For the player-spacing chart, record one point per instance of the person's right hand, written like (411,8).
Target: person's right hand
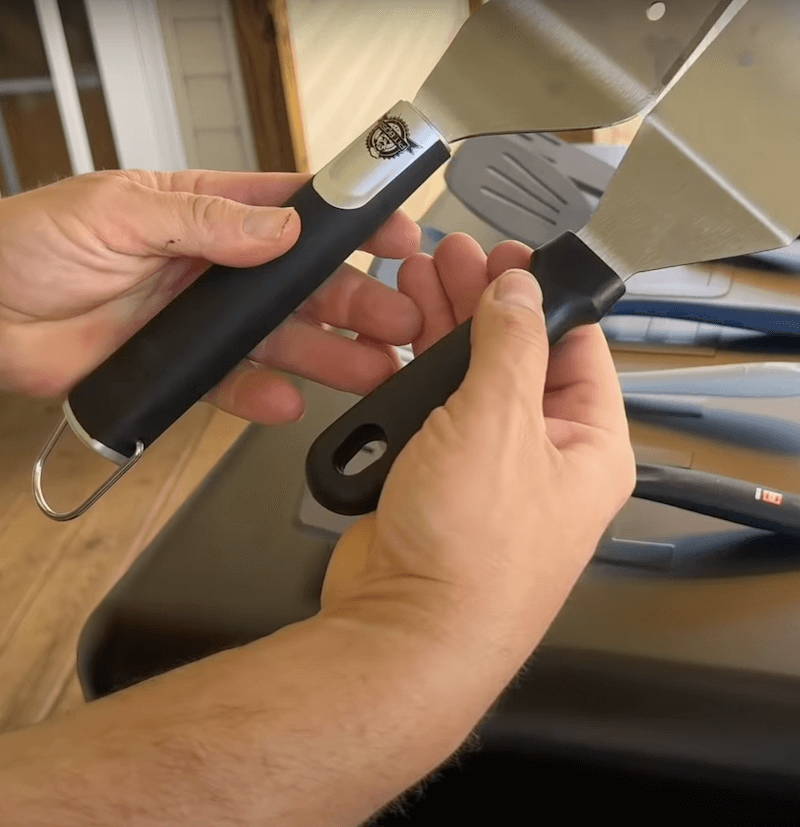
(429,609)
(494,508)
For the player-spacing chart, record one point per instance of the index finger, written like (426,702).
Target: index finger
(582,383)
(259,189)
(399,236)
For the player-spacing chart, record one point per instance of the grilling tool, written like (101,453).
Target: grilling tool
(591,169)
(701,294)
(531,187)
(753,404)
(501,187)
(515,66)
(515,190)
(737,501)
(686,191)
(587,172)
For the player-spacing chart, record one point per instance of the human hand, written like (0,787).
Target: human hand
(494,508)
(429,607)
(85,262)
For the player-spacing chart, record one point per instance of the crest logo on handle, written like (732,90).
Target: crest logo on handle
(389,138)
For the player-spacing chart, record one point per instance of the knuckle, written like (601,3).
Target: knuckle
(203,209)
(106,204)
(446,425)
(113,192)
(204,182)
(114,181)
(524,326)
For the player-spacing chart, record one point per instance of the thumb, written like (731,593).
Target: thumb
(219,229)
(509,343)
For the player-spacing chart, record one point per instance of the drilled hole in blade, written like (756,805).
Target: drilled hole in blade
(656,11)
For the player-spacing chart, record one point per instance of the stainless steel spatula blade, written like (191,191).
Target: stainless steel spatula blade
(550,66)
(714,170)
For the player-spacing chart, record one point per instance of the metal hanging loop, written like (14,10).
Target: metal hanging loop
(38,469)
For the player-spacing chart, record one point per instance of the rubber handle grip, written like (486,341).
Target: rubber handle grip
(723,497)
(194,342)
(578,287)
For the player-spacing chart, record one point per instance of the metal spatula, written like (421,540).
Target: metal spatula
(712,172)
(515,66)
(515,190)
(587,172)
(755,404)
(529,186)
(737,501)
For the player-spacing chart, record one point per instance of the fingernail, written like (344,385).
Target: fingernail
(267,222)
(521,288)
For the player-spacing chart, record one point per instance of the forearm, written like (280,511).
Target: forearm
(322,723)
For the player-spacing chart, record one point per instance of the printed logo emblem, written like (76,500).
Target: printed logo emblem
(390,137)
(771,497)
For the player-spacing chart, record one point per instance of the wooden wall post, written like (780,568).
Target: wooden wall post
(270,81)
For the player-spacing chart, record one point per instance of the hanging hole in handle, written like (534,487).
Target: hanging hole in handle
(362,448)
(656,11)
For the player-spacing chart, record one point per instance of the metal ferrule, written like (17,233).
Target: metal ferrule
(371,162)
(89,441)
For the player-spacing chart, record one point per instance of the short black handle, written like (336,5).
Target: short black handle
(578,287)
(191,345)
(729,499)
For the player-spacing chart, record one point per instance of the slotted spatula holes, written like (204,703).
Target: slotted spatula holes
(524,170)
(525,190)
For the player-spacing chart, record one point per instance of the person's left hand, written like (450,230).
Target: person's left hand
(85,262)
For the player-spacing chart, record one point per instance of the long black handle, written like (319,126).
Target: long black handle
(728,499)
(191,345)
(578,288)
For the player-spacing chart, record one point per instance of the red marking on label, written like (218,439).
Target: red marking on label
(772,497)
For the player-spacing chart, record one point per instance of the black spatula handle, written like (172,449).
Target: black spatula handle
(194,342)
(729,499)
(579,288)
